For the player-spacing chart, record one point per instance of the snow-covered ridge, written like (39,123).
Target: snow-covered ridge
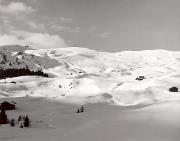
(84,75)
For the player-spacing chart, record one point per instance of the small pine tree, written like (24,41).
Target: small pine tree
(12,122)
(82,109)
(23,118)
(19,118)
(78,111)
(26,122)
(21,125)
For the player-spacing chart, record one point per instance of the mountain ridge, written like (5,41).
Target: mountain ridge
(83,75)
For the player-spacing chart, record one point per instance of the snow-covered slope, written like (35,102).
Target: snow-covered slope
(81,75)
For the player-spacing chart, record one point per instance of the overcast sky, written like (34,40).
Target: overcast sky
(106,25)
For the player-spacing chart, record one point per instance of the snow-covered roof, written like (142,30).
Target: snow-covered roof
(10,102)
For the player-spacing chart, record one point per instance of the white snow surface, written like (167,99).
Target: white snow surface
(80,75)
(52,120)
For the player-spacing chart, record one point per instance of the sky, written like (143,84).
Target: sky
(104,25)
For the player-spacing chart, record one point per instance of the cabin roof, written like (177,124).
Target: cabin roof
(9,102)
(173,88)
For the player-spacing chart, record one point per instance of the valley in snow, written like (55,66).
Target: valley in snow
(118,106)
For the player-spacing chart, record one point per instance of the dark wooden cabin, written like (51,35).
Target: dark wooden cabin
(140,78)
(3,117)
(7,105)
(173,89)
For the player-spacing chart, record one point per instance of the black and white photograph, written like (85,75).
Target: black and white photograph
(89,70)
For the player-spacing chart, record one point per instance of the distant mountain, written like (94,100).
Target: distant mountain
(15,47)
(80,74)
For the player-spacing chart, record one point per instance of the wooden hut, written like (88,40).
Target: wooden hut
(7,105)
(140,78)
(173,89)
(3,117)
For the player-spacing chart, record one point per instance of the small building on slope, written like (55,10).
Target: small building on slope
(4,105)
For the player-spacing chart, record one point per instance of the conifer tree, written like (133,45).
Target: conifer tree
(12,122)
(82,109)
(21,125)
(26,121)
(19,118)
(78,111)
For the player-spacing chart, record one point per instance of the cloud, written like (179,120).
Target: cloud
(37,26)
(57,27)
(65,20)
(9,40)
(104,35)
(59,20)
(92,29)
(15,8)
(62,28)
(96,32)
(18,27)
(35,40)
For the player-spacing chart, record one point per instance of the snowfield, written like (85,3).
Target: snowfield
(80,75)
(118,106)
(56,121)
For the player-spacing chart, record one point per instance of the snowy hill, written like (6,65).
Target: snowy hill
(80,75)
